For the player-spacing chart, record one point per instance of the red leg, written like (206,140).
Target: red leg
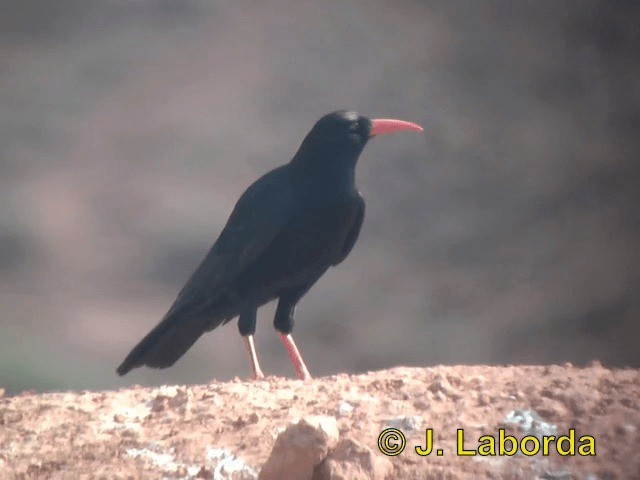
(253,357)
(294,355)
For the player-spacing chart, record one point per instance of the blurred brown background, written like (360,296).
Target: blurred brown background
(507,233)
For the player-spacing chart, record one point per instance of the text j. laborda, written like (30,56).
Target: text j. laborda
(393,441)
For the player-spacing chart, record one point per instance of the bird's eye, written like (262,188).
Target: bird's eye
(354,127)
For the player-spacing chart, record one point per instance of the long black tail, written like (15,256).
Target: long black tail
(170,339)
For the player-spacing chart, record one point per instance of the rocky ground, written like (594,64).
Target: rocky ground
(330,427)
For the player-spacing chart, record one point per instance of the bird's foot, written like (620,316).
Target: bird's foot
(296,358)
(253,357)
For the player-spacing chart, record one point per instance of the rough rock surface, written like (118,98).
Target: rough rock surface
(350,460)
(229,430)
(300,448)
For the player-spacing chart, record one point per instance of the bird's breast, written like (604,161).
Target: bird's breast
(313,236)
(302,251)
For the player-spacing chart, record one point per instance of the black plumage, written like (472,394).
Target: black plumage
(286,230)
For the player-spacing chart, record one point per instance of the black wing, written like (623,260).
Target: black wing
(354,232)
(262,211)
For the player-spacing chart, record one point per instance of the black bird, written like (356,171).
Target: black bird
(284,233)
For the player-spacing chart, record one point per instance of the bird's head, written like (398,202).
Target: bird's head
(342,135)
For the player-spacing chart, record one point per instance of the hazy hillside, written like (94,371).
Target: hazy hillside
(508,232)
